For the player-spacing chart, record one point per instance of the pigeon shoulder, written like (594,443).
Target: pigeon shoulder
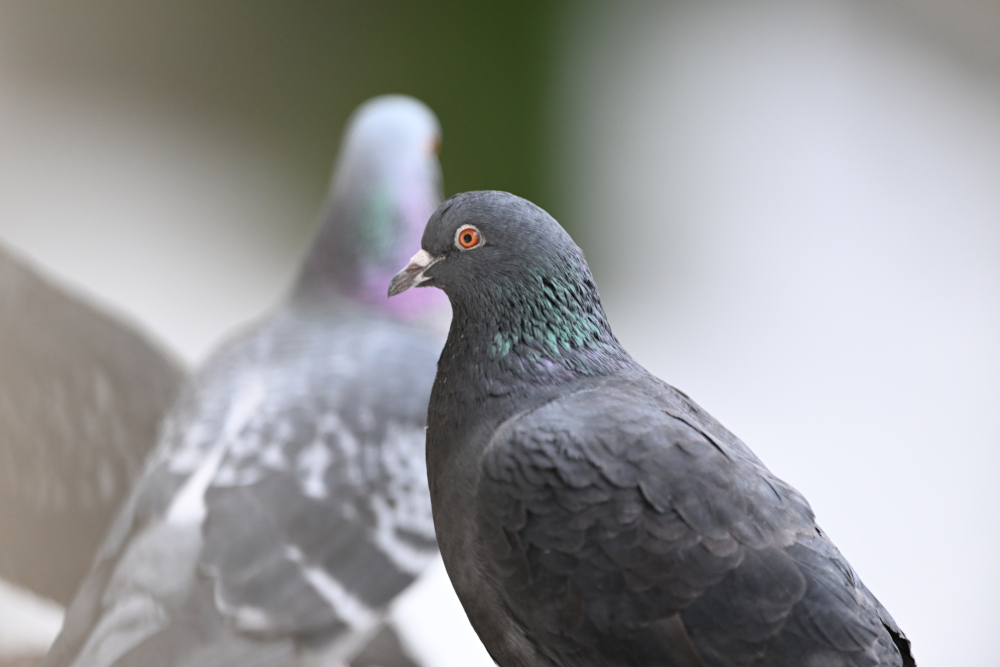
(286,499)
(316,515)
(620,512)
(319,513)
(638,433)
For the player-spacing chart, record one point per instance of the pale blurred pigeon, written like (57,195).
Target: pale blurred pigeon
(287,505)
(589,513)
(81,396)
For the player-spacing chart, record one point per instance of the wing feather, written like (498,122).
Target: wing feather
(81,395)
(609,515)
(292,472)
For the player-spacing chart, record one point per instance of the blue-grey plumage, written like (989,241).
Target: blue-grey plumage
(588,513)
(286,504)
(81,395)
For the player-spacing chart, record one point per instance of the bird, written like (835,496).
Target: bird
(81,395)
(286,503)
(587,512)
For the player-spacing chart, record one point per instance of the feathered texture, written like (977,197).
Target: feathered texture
(590,514)
(286,504)
(385,184)
(81,395)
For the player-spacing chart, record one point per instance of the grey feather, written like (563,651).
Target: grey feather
(81,395)
(590,514)
(286,504)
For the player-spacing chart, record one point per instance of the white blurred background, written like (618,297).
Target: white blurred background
(793,213)
(792,209)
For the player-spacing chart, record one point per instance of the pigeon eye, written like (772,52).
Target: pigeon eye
(468,237)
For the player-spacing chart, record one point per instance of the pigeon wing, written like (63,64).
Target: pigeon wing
(624,527)
(286,506)
(81,395)
(319,515)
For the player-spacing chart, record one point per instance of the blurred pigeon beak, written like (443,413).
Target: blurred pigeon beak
(413,274)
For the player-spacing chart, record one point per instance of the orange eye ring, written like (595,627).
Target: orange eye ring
(468,237)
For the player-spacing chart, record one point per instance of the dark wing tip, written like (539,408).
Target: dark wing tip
(903,645)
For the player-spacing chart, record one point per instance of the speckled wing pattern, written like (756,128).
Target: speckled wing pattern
(627,527)
(286,506)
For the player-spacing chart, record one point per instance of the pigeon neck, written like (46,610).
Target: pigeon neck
(363,242)
(330,267)
(335,265)
(543,334)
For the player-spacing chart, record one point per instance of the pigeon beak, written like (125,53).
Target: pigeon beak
(413,274)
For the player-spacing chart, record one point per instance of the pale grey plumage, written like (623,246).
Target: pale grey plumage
(286,504)
(81,395)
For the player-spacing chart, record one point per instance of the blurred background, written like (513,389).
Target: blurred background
(792,208)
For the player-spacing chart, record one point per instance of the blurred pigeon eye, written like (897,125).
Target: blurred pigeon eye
(468,237)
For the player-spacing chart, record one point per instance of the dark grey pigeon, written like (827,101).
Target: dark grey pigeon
(286,504)
(81,396)
(587,512)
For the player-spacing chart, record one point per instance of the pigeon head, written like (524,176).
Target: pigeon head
(386,182)
(518,284)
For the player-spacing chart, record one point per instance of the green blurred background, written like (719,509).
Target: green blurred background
(283,77)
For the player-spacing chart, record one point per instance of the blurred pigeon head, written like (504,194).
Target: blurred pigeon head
(386,184)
